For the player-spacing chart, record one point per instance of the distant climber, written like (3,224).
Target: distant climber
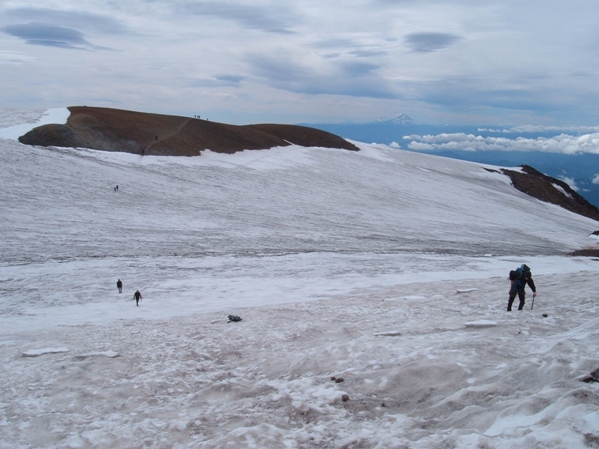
(119,285)
(137,297)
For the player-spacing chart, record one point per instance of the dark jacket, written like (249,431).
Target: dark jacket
(523,277)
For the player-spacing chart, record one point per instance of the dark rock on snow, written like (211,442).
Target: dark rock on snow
(551,190)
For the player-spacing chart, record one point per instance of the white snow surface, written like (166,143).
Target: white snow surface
(380,275)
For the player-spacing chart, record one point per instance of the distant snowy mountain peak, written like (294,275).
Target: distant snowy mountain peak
(403,119)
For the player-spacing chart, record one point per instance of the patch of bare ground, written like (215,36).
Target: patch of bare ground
(142,133)
(589,252)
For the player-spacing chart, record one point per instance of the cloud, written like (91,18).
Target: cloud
(596,179)
(330,55)
(351,78)
(507,96)
(571,183)
(429,42)
(344,46)
(367,53)
(564,143)
(272,19)
(468,92)
(85,20)
(335,42)
(218,81)
(9,57)
(532,129)
(36,33)
(232,79)
(47,35)
(507,71)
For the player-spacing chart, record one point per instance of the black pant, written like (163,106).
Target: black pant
(521,294)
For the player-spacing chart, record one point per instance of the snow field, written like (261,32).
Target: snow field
(266,381)
(383,268)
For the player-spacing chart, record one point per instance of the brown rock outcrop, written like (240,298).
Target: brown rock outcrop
(142,133)
(551,190)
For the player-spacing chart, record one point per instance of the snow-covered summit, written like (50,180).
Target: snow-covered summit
(401,119)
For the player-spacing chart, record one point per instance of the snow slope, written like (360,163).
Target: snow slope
(384,268)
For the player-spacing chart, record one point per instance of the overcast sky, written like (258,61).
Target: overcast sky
(440,61)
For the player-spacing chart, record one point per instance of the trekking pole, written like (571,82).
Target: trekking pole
(533,303)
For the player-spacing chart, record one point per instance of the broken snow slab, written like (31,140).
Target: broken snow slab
(481,323)
(38,352)
(387,334)
(110,354)
(408,297)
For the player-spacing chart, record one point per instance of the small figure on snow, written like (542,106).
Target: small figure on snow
(119,285)
(519,278)
(137,297)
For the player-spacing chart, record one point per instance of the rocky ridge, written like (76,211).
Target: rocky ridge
(146,134)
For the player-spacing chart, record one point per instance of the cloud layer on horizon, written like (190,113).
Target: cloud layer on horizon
(443,61)
(563,143)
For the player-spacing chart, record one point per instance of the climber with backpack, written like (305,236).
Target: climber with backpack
(519,278)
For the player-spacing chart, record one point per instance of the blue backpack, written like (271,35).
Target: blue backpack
(520,273)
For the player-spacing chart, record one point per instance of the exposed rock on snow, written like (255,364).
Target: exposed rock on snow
(164,135)
(536,184)
(594,377)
